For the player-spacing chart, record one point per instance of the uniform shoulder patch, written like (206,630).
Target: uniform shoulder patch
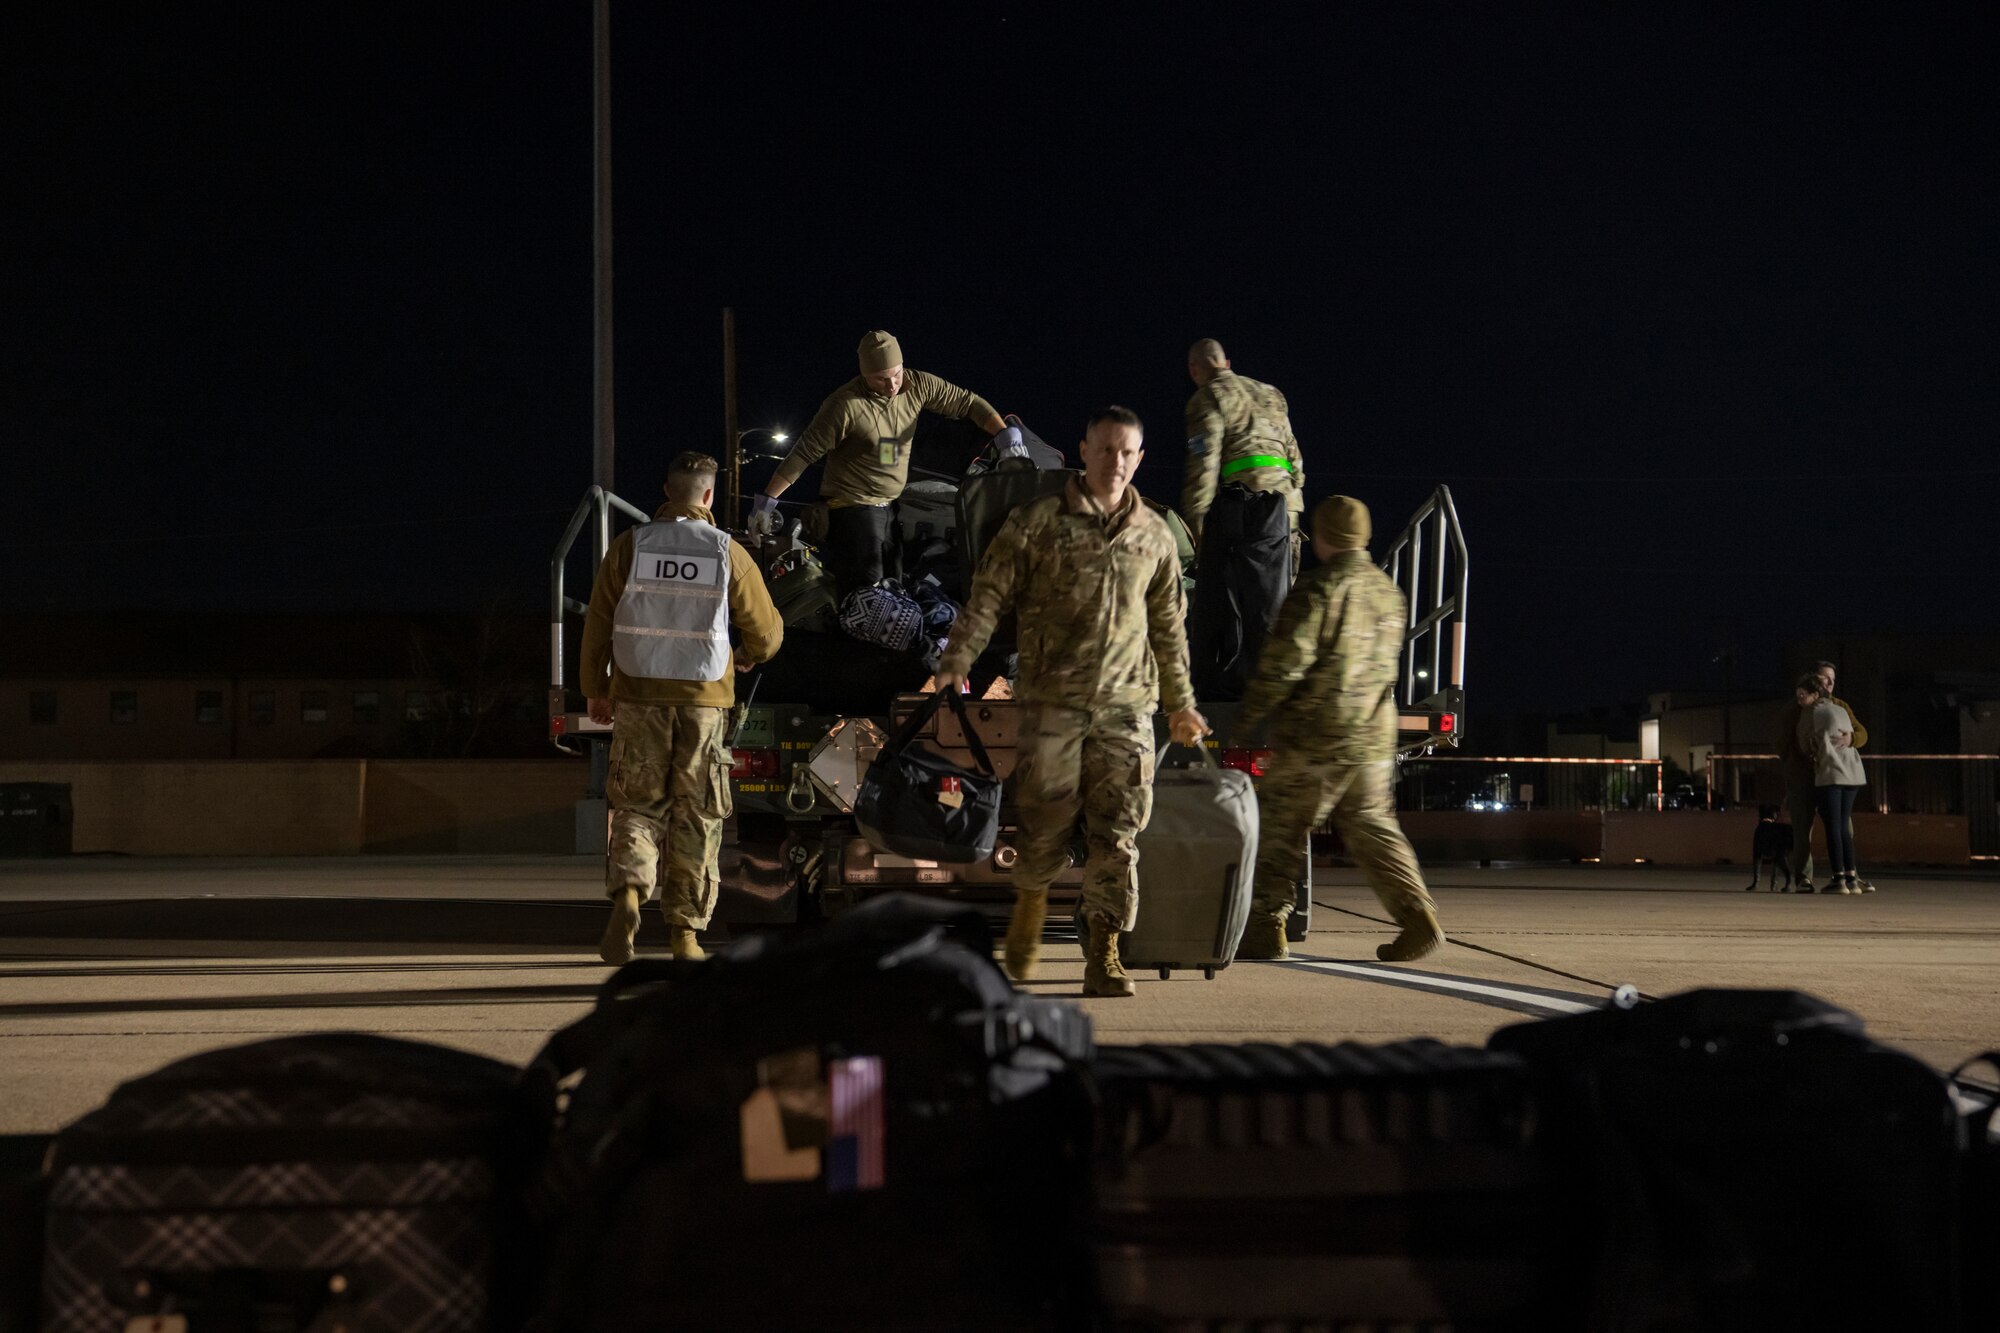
(1197,443)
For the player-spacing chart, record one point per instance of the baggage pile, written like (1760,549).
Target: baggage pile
(868,1127)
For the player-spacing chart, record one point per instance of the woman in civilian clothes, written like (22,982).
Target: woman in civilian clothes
(1827,736)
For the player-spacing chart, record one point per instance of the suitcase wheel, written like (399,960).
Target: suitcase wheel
(1166,973)
(1208,974)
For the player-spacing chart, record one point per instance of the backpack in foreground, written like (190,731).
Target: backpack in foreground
(337,1180)
(1311,1186)
(1749,1160)
(863,1128)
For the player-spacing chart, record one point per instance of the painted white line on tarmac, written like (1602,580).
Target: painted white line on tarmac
(1482,990)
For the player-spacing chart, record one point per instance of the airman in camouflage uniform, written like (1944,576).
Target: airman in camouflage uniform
(668,786)
(1094,579)
(1242,496)
(1327,680)
(1239,430)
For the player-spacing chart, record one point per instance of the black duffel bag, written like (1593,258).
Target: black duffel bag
(950,1198)
(915,802)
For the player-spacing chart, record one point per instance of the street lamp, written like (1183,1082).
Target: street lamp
(777,436)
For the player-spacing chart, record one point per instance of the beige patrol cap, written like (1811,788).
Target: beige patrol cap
(878,351)
(1342,522)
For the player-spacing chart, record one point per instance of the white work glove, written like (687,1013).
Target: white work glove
(763,517)
(1011,443)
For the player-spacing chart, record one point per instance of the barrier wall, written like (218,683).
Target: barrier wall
(333,807)
(318,807)
(1706,838)
(522,805)
(1503,835)
(210,808)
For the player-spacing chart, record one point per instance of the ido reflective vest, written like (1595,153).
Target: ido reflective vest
(672,623)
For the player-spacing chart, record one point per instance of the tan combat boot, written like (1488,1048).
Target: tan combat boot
(1103,974)
(1421,935)
(616,946)
(1264,938)
(681,940)
(1024,933)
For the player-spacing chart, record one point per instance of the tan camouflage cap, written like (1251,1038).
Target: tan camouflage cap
(878,351)
(1342,522)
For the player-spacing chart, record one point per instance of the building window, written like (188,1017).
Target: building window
(367,707)
(416,706)
(263,707)
(208,708)
(124,706)
(42,708)
(313,706)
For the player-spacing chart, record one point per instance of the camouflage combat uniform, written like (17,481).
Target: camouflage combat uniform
(1232,421)
(1100,608)
(1327,679)
(668,786)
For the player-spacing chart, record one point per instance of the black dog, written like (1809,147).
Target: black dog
(1772,841)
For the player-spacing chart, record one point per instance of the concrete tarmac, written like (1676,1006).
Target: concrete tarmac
(110,967)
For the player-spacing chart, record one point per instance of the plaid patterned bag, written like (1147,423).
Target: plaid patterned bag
(321,1181)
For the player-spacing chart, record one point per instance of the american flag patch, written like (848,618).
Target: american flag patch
(854,1139)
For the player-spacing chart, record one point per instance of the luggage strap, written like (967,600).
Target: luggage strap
(1982,1121)
(1253,462)
(924,712)
(1206,753)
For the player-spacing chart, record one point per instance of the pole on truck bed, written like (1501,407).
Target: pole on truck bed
(601,472)
(732,437)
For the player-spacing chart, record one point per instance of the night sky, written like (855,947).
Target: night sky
(1692,309)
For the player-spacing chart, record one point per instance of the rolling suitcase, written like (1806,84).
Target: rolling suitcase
(324,1181)
(1310,1186)
(865,1128)
(1197,860)
(1754,1162)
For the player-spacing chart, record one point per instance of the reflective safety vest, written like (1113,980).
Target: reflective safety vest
(673,621)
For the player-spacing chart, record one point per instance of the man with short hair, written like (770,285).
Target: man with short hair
(1242,497)
(1327,679)
(656,665)
(864,430)
(1093,576)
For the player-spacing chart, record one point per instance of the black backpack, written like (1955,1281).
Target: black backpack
(1749,1160)
(949,1114)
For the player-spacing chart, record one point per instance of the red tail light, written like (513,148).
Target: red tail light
(753,764)
(1254,762)
(1447,723)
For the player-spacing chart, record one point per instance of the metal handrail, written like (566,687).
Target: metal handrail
(596,509)
(1430,614)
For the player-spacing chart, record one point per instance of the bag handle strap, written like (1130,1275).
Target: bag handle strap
(972,741)
(923,713)
(1984,1120)
(1207,754)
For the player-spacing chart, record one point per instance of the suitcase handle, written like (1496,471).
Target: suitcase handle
(928,709)
(1984,1120)
(1207,754)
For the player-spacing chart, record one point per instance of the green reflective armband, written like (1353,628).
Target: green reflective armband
(1253,462)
